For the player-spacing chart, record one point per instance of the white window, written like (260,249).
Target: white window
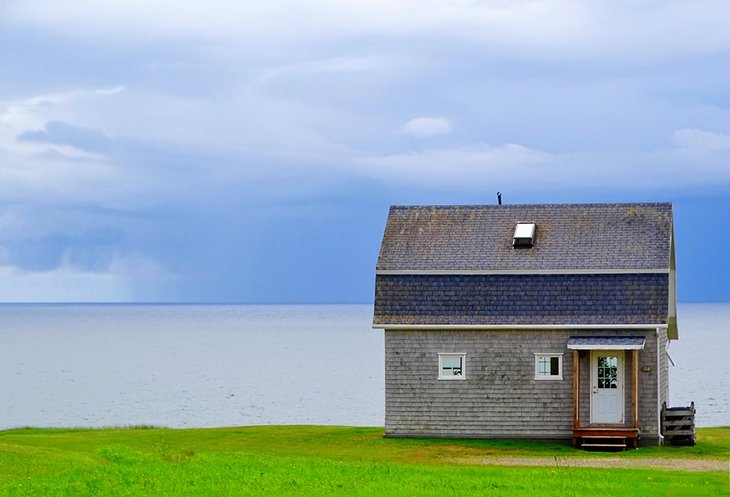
(452,366)
(548,366)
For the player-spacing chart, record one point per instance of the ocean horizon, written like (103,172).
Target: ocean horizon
(177,364)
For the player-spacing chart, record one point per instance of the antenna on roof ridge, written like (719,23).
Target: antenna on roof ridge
(499,198)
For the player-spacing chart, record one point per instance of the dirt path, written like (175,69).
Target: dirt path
(607,462)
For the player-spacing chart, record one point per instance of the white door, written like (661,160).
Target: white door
(607,386)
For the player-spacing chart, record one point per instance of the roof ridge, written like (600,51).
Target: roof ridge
(596,204)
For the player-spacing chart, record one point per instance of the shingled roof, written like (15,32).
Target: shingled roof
(569,237)
(590,264)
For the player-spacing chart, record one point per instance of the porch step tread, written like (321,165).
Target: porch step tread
(618,446)
(617,434)
(605,428)
(619,437)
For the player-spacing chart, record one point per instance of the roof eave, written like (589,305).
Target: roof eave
(647,326)
(445,272)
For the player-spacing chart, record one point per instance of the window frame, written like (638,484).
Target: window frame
(548,377)
(441,356)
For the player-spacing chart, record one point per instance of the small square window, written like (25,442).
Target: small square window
(548,366)
(452,366)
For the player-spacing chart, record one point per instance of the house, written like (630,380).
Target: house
(527,321)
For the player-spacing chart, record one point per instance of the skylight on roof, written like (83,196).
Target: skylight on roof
(524,235)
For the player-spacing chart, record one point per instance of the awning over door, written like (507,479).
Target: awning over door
(606,343)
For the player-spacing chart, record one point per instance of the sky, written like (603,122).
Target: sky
(228,151)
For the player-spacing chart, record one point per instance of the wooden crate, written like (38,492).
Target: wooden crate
(678,424)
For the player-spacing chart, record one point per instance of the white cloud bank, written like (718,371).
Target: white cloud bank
(694,158)
(552,29)
(462,166)
(63,285)
(118,283)
(701,140)
(427,126)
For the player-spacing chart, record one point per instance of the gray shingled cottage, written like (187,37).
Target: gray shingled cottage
(527,321)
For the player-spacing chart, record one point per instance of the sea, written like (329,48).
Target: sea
(181,366)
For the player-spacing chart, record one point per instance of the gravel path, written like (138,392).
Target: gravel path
(607,462)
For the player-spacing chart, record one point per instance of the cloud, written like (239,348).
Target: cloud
(62,133)
(91,251)
(552,29)
(63,285)
(110,91)
(176,124)
(698,158)
(427,126)
(127,278)
(333,65)
(700,140)
(52,252)
(44,119)
(460,166)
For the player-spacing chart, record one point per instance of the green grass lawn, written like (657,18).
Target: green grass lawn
(315,460)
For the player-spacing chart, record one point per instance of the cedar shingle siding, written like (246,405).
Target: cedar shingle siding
(500,396)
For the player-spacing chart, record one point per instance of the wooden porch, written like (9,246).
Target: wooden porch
(606,437)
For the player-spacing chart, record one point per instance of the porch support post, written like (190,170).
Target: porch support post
(635,387)
(576,389)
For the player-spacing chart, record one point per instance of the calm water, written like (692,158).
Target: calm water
(200,366)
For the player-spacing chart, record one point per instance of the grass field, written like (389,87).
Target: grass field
(321,461)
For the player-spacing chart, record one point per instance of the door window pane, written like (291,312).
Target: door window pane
(607,373)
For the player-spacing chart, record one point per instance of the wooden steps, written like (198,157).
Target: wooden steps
(607,439)
(603,442)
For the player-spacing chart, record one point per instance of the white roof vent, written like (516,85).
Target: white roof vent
(524,235)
